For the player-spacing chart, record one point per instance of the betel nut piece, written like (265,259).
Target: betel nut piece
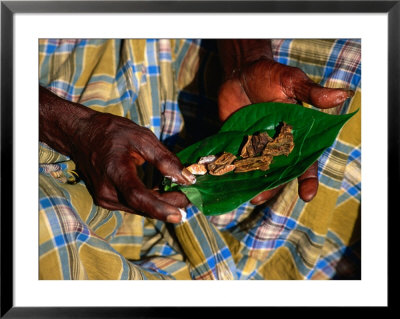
(253,163)
(222,165)
(197,169)
(256,154)
(207,159)
(283,144)
(255,144)
(225,159)
(221,169)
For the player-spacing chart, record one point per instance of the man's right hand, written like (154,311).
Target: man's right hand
(107,150)
(252,76)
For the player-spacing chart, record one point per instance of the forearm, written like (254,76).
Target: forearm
(235,54)
(58,120)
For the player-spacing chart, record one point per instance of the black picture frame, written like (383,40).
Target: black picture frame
(9,8)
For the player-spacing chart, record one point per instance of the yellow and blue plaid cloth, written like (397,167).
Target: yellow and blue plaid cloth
(170,86)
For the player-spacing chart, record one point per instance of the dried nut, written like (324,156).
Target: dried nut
(253,163)
(197,169)
(259,141)
(247,150)
(222,165)
(207,159)
(225,159)
(188,176)
(283,144)
(256,154)
(222,169)
(255,144)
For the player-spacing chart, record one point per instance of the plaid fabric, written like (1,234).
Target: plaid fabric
(171,86)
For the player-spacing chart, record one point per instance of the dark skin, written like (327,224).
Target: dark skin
(252,76)
(107,149)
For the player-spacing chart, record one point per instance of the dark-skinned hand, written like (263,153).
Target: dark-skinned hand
(107,150)
(265,80)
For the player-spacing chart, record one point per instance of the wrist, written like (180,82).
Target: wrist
(60,121)
(235,55)
(254,50)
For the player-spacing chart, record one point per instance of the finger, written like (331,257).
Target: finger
(106,199)
(112,205)
(136,196)
(176,199)
(306,90)
(308,183)
(265,196)
(106,196)
(326,97)
(166,162)
(140,198)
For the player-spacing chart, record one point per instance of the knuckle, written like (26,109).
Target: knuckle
(147,134)
(167,161)
(117,167)
(298,73)
(138,200)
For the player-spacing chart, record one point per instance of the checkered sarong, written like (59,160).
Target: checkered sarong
(170,86)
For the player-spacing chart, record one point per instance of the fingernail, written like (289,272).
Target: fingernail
(173,179)
(188,176)
(184,214)
(173,218)
(257,203)
(350,93)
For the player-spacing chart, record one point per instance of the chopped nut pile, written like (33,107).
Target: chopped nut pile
(256,154)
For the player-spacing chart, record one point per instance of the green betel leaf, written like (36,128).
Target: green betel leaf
(313,132)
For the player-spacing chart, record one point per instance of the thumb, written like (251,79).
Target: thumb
(306,90)
(326,97)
